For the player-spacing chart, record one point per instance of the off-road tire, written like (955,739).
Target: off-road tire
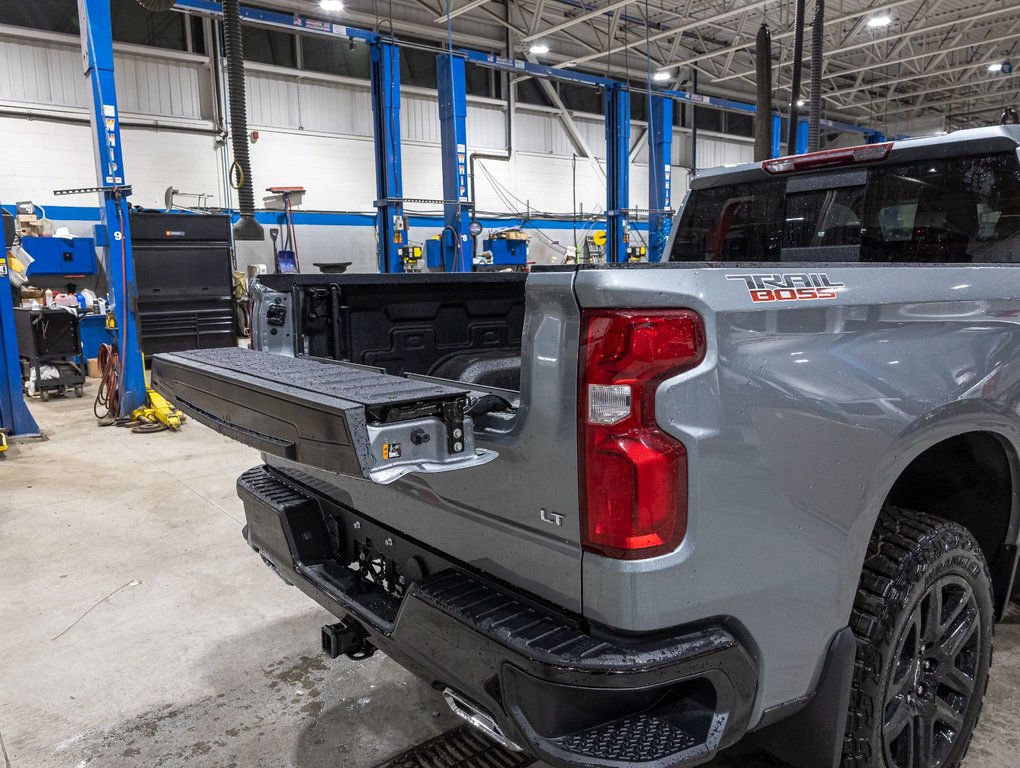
(907,681)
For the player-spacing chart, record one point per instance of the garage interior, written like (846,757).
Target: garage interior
(340,139)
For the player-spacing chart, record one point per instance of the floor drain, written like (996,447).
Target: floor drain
(462,747)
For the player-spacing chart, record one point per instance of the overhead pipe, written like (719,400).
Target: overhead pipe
(694,123)
(763,101)
(798,66)
(815,106)
(246,228)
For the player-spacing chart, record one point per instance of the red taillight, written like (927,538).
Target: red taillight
(633,475)
(866,153)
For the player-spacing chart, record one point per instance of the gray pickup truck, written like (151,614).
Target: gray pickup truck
(627,515)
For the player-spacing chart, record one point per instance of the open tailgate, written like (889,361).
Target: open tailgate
(335,416)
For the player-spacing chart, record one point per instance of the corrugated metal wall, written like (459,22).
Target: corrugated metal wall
(324,106)
(48,73)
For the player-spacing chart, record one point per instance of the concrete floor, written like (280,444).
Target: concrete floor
(137,629)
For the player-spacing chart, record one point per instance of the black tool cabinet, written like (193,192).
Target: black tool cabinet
(184,281)
(50,336)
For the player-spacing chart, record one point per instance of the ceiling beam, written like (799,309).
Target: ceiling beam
(782,35)
(454,13)
(921,76)
(970,97)
(694,24)
(577,20)
(918,56)
(887,38)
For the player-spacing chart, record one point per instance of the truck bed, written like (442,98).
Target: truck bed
(443,325)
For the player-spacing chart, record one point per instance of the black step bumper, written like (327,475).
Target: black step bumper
(570,693)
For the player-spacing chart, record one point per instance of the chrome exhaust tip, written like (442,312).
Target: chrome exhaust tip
(476,717)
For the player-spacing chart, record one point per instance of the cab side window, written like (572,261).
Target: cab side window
(735,222)
(957,210)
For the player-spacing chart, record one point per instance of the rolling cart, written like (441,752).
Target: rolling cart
(50,337)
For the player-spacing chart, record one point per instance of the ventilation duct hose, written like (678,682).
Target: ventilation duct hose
(763,102)
(246,228)
(815,106)
(157,5)
(798,67)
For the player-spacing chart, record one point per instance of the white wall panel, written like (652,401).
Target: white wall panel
(49,73)
(41,73)
(157,159)
(542,133)
(162,87)
(419,118)
(486,127)
(594,133)
(717,151)
(335,108)
(339,174)
(40,156)
(272,101)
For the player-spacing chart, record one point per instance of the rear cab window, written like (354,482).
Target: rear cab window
(948,210)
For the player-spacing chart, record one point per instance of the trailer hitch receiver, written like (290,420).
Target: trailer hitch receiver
(346,638)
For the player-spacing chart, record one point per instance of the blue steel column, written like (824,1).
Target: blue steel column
(777,136)
(385,76)
(456,248)
(660,153)
(802,137)
(14,414)
(97,47)
(617,171)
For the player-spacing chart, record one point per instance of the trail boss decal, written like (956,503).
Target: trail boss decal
(798,286)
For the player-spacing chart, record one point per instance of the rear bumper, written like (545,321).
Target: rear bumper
(571,694)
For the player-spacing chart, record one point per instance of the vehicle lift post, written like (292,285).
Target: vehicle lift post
(660,151)
(455,247)
(390,222)
(617,99)
(15,418)
(97,50)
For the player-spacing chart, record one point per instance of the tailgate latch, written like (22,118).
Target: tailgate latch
(431,436)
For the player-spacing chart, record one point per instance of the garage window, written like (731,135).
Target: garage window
(48,15)
(267,46)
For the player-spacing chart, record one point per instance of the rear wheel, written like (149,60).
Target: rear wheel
(923,622)
(44,395)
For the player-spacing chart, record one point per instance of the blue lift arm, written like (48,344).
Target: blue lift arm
(15,418)
(390,228)
(97,47)
(455,244)
(660,171)
(617,100)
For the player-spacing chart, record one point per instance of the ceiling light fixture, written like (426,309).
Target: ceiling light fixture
(331,5)
(800,102)
(879,21)
(662,74)
(997,67)
(538,49)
